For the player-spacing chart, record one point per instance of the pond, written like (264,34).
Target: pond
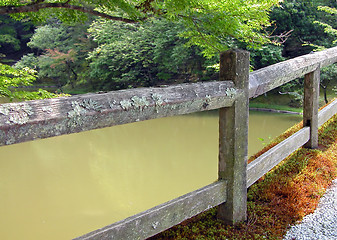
(66,186)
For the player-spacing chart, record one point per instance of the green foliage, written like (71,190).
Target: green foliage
(62,51)
(10,77)
(51,37)
(130,55)
(300,16)
(6,38)
(56,35)
(11,80)
(267,55)
(29,61)
(13,35)
(211,24)
(214,26)
(329,28)
(328,23)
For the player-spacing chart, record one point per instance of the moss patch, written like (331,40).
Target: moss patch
(282,197)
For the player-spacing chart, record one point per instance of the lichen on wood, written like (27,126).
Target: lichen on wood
(158,99)
(112,103)
(231,92)
(135,103)
(80,108)
(140,103)
(47,109)
(90,104)
(126,104)
(17,114)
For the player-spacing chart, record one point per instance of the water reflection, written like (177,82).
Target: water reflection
(63,187)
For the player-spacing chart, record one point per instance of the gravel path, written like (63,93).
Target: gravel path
(320,225)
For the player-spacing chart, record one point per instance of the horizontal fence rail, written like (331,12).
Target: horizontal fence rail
(326,113)
(32,120)
(263,164)
(164,216)
(268,78)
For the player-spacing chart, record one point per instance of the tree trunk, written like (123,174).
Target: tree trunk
(325,94)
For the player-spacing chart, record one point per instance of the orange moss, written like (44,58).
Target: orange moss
(283,196)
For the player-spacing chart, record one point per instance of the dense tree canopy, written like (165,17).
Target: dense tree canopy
(14,36)
(301,17)
(209,23)
(148,54)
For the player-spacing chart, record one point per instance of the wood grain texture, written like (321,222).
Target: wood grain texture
(310,106)
(31,120)
(268,78)
(164,216)
(275,155)
(326,113)
(233,138)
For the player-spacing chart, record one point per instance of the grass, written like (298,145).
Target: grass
(279,199)
(274,106)
(285,102)
(76,91)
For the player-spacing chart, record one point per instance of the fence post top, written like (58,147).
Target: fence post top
(234,66)
(235,50)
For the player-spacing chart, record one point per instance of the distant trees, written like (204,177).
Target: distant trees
(302,17)
(152,53)
(312,29)
(140,42)
(114,55)
(329,74)
(211,24)
(14,36)
(61,52)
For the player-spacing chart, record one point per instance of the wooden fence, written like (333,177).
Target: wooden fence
(32,120)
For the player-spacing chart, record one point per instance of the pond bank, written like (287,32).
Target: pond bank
(280,199)
(274,110)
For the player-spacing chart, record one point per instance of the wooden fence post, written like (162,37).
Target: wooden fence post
(233,137)
(310,106)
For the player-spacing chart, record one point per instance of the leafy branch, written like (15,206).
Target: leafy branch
(41,4)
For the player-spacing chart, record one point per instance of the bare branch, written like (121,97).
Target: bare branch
(281,38)
(39,4)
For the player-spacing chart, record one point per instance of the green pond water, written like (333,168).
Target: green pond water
(66,186)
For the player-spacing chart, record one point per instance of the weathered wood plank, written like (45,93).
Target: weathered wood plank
(326,113)
(31,120)
(275,155)
(164,216)
(233,138)
(268,78)
(310,106)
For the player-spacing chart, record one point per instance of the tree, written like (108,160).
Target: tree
(148,54)
(209,23)
(11,80)
(61,52)
(329,74)
(300,17)
(14,36)
(329,24)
